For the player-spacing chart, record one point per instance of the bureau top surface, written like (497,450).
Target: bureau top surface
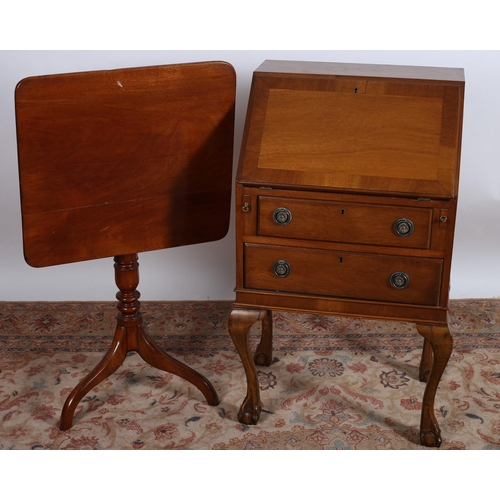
(362,70)
(354,127)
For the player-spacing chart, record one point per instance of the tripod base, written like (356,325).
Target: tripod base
(130,335)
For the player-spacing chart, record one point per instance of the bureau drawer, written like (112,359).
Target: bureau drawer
(349,275)
(397,226)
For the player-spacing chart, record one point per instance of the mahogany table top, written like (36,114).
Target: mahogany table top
(124,161)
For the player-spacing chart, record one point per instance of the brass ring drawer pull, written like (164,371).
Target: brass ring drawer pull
(399,280)
(282,216)
(403,227)
(282,268)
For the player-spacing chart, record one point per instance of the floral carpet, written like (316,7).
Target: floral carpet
(334,383)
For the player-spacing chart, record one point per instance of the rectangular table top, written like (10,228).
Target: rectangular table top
(124,161)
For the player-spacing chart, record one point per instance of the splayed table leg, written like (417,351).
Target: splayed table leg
(130,335)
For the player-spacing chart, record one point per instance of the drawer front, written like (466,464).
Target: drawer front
(404,227)
(349,275)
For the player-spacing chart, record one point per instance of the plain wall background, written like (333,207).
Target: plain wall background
(207,271)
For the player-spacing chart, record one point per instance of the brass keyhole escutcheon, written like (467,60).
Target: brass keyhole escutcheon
(246,207)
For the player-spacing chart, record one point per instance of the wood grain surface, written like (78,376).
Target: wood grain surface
(124,161)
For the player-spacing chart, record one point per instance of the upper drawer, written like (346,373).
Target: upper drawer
(406,227)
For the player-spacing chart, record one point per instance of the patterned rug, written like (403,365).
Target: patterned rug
(335,383)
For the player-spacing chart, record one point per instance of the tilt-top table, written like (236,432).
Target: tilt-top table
(113,163)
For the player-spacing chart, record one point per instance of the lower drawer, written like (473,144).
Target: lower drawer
(350,275)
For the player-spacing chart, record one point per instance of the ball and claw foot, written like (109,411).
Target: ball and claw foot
(249,413)
(262,359)
(431,439)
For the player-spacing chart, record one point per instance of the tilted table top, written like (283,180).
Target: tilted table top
(124,161)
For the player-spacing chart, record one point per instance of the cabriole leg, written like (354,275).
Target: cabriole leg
(264,352)
(240,322)
(439,345)
(425,362)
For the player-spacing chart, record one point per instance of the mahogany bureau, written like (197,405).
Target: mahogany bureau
(346,196)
